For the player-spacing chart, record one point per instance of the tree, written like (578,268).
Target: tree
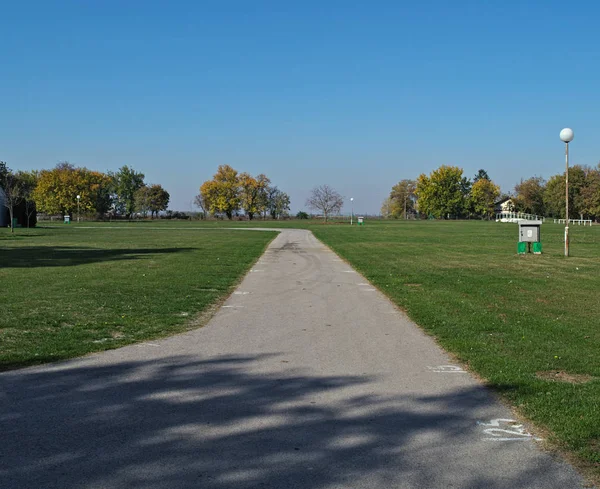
(484,194)
(442,193)
(481,175)
(554,193)
(591,194)
(403,198)
(529,196)
(250,192)
(264,189)
(158,199)
(222,194)
(29,181)
(12,187)
(126,181)
(57,190)
(325,199)
(199,202)
(279,203)
(387,208)
(142,200)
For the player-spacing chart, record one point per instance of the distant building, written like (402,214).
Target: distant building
(504,205)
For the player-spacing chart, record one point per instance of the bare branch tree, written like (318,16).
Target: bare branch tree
(325,199)
(13,194)
(199,202)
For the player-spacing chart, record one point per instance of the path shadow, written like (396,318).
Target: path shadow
(65,256)
(238,422)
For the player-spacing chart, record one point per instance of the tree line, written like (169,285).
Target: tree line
(447,193)
(66,189)
(444,193)
(230,193)
(536,195)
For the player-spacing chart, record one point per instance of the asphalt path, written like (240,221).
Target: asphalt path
(307,377)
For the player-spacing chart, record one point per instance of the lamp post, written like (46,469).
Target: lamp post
(78,198)
(351,209)
(566,136)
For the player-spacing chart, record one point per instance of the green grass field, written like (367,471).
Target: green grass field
(528,325)
(67,291)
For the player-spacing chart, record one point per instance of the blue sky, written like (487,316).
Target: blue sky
(358,95)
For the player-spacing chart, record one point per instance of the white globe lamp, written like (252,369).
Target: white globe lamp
(566,135)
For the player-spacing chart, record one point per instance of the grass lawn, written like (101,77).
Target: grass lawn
(521,322)
(529,325)
(67,291)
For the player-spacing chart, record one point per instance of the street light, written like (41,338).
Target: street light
(351,209)
(566,136)
(78,198)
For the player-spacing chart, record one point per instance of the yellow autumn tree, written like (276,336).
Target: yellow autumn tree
(484,194)
(222,193)
(57,190)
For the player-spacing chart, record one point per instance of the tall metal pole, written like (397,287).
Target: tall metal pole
(351,214)
(567,200)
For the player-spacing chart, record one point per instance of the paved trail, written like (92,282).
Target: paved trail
(306,378)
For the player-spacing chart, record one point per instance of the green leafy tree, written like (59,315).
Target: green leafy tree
(481,175)
(264,188)
(442,193)
(402,198)
(591,194)
(158,199)
(279,203)
(142,200)
(126,182)
(554,193)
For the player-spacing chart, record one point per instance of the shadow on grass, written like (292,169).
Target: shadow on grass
(64,256)
(242,422)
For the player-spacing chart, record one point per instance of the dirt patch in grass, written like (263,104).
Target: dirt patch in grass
(562,376)
(413,285)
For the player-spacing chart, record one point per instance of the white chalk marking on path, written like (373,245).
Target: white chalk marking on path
(348,271)
(257,271)
(452,369)
(363,284)
(147,344)
(368,290)
(239,292)
(234,307)
(499,429)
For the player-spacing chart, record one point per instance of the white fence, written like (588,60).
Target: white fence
(509,216)
(578,221)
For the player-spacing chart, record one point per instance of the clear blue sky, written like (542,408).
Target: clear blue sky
(358,95)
